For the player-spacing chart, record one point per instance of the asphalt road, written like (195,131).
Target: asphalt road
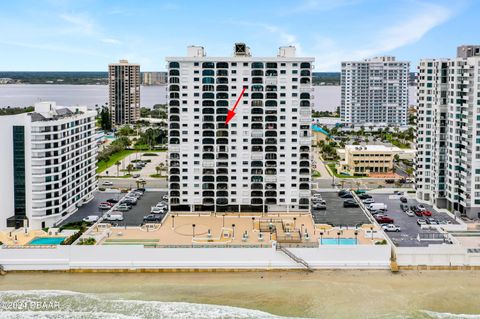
(91,208)
(337,215)
(409,227)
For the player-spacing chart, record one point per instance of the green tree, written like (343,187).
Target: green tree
(117,163)
(129,168)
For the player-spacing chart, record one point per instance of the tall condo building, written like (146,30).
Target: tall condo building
(375,91)
(124,92)
(448,130)
(260,160)
(48,164)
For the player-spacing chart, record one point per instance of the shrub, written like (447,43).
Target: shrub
(149,154)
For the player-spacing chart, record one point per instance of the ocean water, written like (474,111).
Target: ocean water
(326,98)
(322,294)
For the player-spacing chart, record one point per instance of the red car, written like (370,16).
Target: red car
(427,213)
(384,219)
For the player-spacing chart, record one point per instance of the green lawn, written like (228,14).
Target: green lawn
(158,176)
(102,165)
(316,174)
(334,171)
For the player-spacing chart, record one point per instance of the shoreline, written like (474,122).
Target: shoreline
(321,294)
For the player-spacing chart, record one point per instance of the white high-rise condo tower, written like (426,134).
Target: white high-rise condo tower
(260,160)
(48,164)
(124,92)
(448,132)
(375,92)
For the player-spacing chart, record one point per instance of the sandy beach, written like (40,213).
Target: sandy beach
(322,294)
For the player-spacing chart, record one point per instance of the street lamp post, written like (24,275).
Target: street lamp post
(294,222)
(253,223)
(223,220)
(193,230)
(356,237)
(233,227)
(173,221)
(338,238)
(321,238)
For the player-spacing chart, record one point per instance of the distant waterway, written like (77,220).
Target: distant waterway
(322,294)
(327,98)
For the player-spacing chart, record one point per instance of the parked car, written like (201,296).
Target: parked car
(399,193)
(350,203)
(343,192)
(347,195)
(123,207)
(104,206)
(131,200)
(427,213)
(107,183)
(141,180)
(165,197)
(368,201)
(114,216)
(319,206)
(381,219)
(112,200)
(377,212)
(403,199)
(409,213)
(91,219)
(391,227)
(318,201)
(377,206)
(420,207)
(432,221)
(421,221)
(157,210)
(414,208)
(142,190)
(136,175)
(389,181)
(404,207)
(364,196)
(152,219)
(418,213)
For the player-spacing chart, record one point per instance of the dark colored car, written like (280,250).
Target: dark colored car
(403,199)
(152,218)
(389,181)
(404,207)
(384,220)
(347,195)
(364,196)
(343,192)
(129,202)
(112,201)
(350,203)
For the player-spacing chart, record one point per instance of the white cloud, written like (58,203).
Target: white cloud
(111,41)
(79,23)
(319,5)
(412,29)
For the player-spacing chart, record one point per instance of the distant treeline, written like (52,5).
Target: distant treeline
(15,110)
(329,78)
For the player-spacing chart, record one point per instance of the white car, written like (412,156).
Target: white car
(368,201)
(114,216)
(157,210)
(165,197)
(409,212)
(104,206)
(91,219)
(107,183)
(391,227)
(161,204)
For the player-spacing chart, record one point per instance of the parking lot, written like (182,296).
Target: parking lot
(336,214)
(408,235)
(133,217)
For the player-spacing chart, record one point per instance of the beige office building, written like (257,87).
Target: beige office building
(124,92)
(367,159)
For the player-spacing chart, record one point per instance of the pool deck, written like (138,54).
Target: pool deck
(232,229)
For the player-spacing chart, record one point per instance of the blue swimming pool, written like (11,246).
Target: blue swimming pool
(335,241)
(47,241)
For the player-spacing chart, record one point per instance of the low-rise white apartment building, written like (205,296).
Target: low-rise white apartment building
(260,161)
(48,164)
(375,92)
(448,132)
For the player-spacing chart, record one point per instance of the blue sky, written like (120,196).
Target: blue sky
(86,35)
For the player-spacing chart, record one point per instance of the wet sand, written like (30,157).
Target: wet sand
(322,294)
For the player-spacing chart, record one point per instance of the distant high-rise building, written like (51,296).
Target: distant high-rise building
(375,91)
(260,160)
(154,78)
(48,164)
(448,125)
(124,92)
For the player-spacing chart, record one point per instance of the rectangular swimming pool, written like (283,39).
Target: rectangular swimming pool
(47,241)
(336,241)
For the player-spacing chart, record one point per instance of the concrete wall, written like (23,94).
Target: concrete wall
(436,255)
(138,257)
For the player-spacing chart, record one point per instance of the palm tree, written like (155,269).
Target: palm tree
(159,170)
(129,168)
(117,163)
(162,167)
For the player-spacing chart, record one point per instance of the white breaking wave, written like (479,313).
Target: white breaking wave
(446,315)
(56,304)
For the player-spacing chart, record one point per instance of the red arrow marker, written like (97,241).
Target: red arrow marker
(231,113)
